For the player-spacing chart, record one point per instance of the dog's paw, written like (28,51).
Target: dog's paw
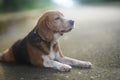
(84,64)
(65,68)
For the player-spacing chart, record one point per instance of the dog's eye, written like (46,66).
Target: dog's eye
(57,18)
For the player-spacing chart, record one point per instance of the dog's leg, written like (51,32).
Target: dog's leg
(55,65)
(73,62)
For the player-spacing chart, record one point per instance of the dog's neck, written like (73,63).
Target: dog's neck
(56,37)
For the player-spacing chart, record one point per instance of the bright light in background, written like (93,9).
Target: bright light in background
(64,3)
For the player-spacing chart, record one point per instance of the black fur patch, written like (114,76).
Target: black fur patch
(20,50)
(35,40)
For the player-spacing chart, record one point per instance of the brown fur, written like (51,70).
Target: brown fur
(8,56)
(35,56)
(46,30)
(46,26)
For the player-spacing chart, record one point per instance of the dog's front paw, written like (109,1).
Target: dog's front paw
(84,64)
(65,67)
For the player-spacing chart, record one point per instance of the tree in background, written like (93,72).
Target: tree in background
(16,5)
(8,5)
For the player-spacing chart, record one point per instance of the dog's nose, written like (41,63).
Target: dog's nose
(71,22)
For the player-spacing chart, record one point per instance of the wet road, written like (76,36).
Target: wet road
(95,38)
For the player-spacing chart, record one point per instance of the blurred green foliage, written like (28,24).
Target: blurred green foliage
(16,5)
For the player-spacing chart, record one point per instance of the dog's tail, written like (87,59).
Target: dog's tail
(1,55)
(6,56)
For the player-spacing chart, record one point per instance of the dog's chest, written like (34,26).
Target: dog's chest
(52,54)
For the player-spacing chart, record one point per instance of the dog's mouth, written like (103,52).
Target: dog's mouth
(64,31)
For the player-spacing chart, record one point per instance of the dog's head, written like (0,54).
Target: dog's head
(53,22)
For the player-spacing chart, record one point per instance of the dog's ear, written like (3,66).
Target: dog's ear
(43,29)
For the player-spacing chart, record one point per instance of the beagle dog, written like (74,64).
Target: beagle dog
(41,48)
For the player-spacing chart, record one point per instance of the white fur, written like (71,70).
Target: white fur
(56,37)
(75,62)
(61,63)
(49,61)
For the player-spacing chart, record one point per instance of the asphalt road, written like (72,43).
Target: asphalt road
(95,39)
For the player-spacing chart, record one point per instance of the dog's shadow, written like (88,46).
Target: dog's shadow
(13,71)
